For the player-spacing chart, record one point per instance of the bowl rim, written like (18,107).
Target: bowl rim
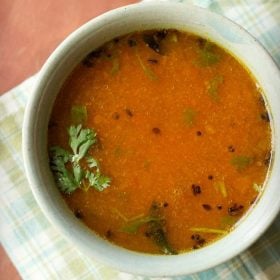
(32,166)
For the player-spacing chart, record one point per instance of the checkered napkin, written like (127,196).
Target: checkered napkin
(40,252)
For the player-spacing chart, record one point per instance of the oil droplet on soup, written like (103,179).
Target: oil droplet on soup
(160,141)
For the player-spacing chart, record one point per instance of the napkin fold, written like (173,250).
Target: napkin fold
(39,251)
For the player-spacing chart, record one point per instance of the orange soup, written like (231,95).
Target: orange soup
(160,141)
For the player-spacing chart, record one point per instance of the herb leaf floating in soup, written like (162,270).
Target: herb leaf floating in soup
(77,176)
(183,130)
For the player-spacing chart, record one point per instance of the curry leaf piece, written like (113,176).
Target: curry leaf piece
(207,55)
(208,230)
(66,181)
(78,114)
(80,140)
(241,162)
(189,116)
(135,224)
(213,87)
(158,234)
(157,230)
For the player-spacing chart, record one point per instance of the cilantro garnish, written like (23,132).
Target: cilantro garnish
(78,114)
(213,87)
(207,55)
(66,166)
(241,162)
(189,116)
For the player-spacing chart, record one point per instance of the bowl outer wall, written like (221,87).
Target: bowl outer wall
(58,67)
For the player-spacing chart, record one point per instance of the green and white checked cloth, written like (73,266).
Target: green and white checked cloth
(40,252)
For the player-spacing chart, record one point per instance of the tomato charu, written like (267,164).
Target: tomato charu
(160,141)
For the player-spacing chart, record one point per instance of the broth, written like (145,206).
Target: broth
(182,135)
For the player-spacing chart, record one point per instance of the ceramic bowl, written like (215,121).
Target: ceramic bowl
(92,35)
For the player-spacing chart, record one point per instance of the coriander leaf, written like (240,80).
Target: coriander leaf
(98,181)
(66,181)
(241,162)
(189,116)
(213,87)
(93,163)
(207,56)
(78,172)
(92,178)
(102,182)
(78,114)
(66,167)
(60,153)
(80,141)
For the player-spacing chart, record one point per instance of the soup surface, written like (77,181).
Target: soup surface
(160,141)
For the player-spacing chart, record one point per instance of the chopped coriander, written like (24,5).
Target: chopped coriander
(207,55)
(241,162)
(75,175)
(189,116)
(78,114)
(65,179)
(80,140)
(213,87)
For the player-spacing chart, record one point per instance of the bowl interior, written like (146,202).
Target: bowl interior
(59,66)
